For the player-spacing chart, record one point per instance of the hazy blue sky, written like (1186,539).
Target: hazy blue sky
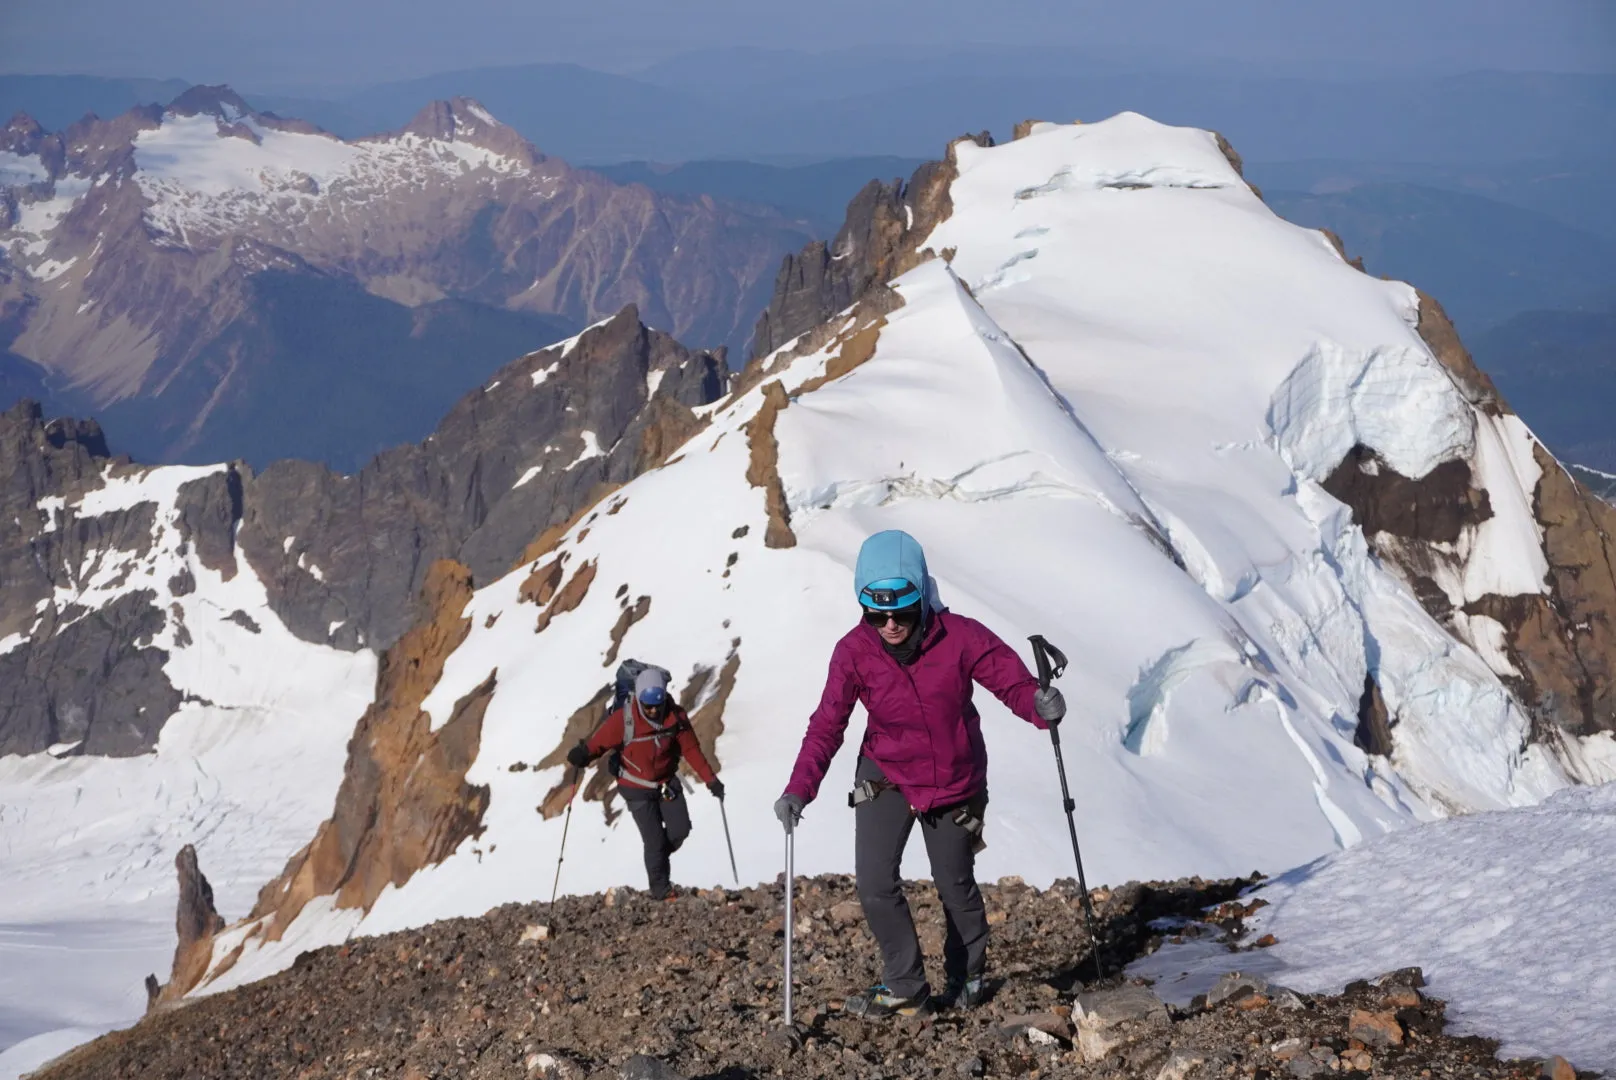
(289,42)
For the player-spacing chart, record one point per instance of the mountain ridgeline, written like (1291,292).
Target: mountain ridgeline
(342,558)
(218,283)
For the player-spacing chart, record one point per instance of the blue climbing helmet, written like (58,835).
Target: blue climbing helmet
(891,572)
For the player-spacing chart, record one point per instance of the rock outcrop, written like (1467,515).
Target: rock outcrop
(404,802)
(195,922)
(880,239)
(78,679)
(525,452)
(1558,644)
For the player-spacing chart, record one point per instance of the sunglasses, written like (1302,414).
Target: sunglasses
(908,616)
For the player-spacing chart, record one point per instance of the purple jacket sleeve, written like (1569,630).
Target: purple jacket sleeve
(826,727)
(1002,673)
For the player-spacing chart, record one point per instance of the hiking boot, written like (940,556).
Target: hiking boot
(878,1001)
(964,993)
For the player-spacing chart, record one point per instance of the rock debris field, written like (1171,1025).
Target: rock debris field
(620,987)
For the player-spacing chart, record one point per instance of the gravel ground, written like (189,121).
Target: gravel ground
(693,985)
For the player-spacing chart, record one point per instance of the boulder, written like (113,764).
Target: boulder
(1108,1020)
(1377,1029)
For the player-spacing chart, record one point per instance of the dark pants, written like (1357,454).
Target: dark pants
(663,823)
(881,830)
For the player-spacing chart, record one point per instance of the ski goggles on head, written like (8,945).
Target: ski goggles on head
(889,593)
(908,616)
(653,697)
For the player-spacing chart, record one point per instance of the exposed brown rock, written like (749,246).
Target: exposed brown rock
(763,467)
(628,617)
(1560,644)
(879,240)
(542,583)
(403,803)
(1374,734)
(1436,329)
(708,720)
(1436,508)
(669,424)
(195,923)
(1022,129)
(1232,156)
(1377,1029)
(569,597)
(1341,250)
(1564,644)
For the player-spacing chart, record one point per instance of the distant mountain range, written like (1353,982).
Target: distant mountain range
(217,282)
(867,101)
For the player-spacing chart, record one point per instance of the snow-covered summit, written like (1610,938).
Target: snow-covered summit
(1113,412)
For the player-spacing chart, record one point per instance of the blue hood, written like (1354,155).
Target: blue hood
(887,558)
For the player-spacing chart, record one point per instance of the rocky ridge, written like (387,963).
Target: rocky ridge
(343,559)
(621,986)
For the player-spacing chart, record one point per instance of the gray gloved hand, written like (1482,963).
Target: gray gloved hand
(788,808)
(1050,706)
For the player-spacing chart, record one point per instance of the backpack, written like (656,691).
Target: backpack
(622,693)
(627,672)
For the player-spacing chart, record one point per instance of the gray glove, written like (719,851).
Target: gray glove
(1050,706)
(788,808)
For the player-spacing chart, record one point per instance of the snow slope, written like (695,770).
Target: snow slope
(245,770)
(1106,419)
(1506,912)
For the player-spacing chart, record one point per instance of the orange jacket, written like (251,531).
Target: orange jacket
(652,754)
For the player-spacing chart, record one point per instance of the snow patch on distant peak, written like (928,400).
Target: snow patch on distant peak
(481,113)
(1396,400)
(21,170)
(200,175)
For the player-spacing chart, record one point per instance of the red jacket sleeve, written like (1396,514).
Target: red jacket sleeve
(999,670)
(827,726)
(607,737)
(690,749)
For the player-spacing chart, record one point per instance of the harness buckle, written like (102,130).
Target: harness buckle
(866,790)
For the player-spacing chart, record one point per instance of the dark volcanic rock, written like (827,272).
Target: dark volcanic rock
(94,681)
(354,550)
(628,986)
(884,224)
(79,676)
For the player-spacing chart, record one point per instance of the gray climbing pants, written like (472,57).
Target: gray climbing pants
(663,823)
(881,830)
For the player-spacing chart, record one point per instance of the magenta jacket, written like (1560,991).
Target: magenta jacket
(924,732)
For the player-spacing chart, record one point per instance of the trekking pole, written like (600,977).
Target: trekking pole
(790,888)
(565,825)
(722,813)
(1042,651)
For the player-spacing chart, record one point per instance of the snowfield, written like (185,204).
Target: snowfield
(1506,912)
(245,771)
(1106,418)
